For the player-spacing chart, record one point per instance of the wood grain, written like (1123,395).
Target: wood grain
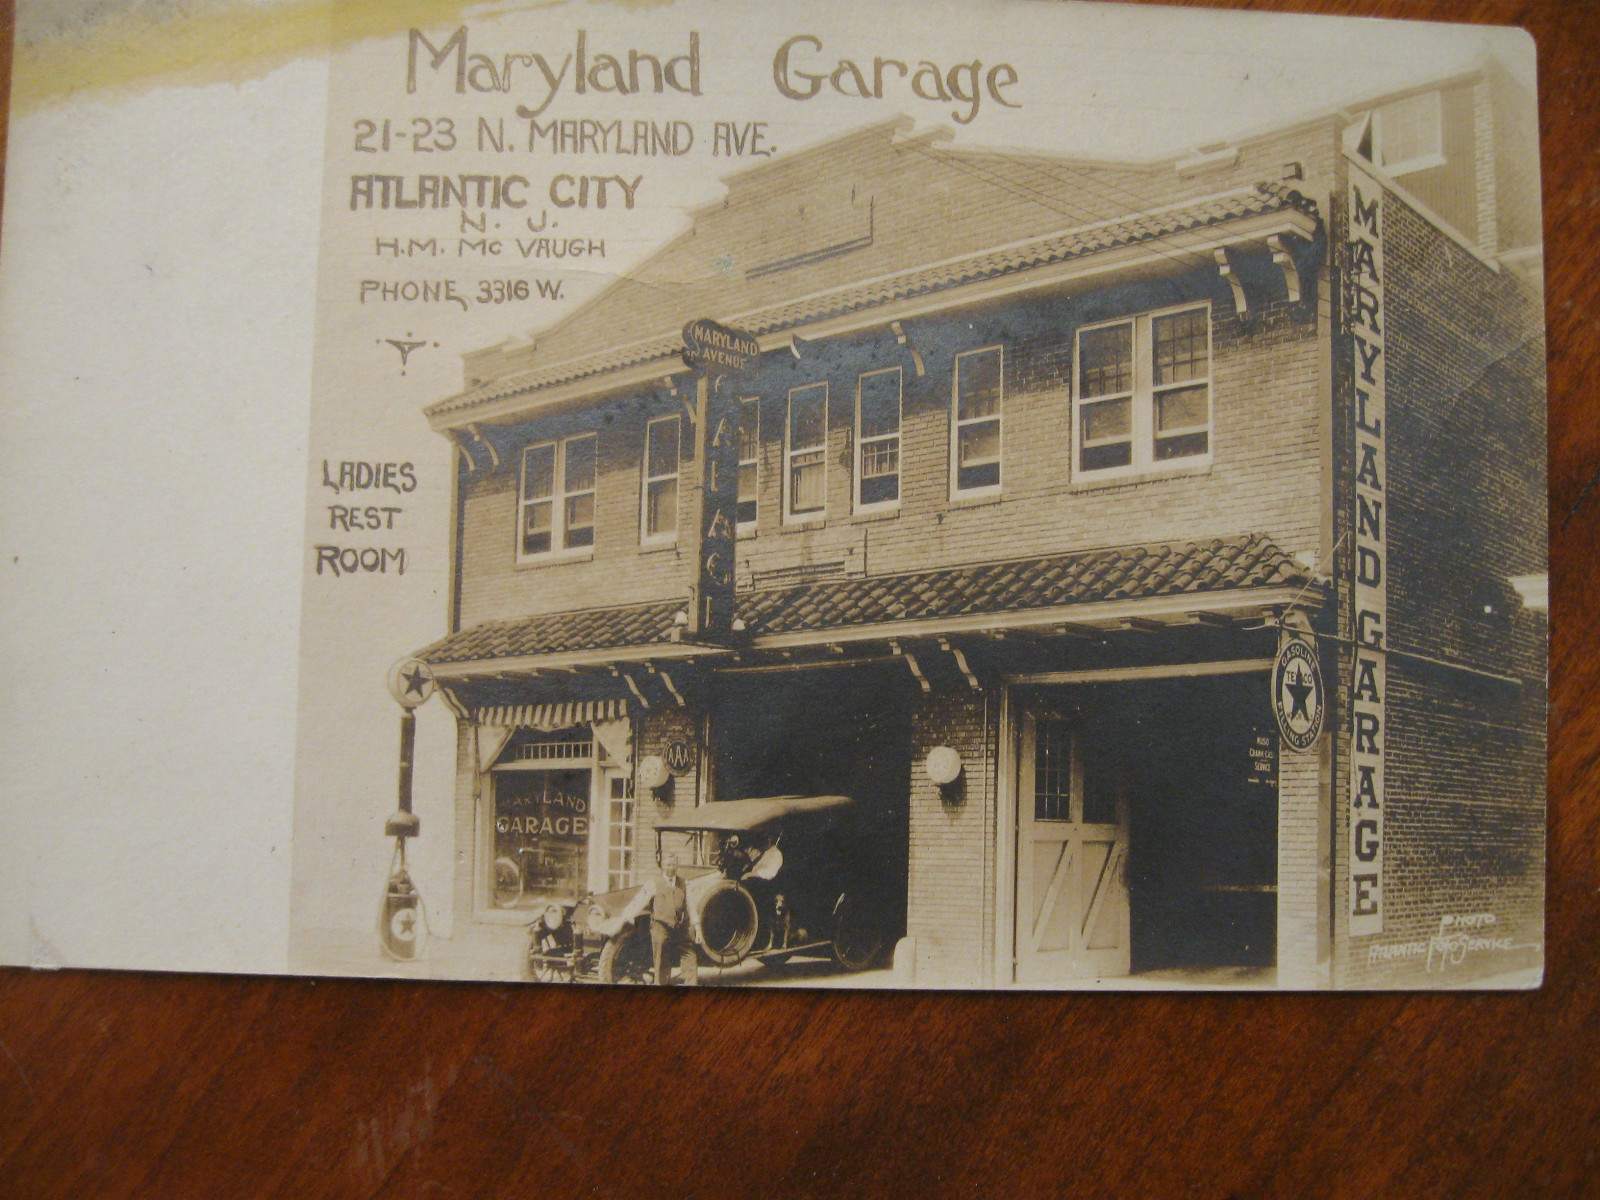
(121,1085)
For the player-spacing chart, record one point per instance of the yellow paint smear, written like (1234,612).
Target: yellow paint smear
(229,41)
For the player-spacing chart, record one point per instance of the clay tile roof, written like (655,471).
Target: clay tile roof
(824,606)
(654,317)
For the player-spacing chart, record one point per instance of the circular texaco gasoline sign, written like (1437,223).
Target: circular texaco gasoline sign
(1297,695)
(410,682)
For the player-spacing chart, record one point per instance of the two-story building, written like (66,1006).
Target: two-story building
(1042,465)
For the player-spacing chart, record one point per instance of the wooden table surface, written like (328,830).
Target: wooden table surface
(122,1084)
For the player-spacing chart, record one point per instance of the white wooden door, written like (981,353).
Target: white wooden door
(1072,857)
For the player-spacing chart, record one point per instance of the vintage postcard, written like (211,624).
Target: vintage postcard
(997,495)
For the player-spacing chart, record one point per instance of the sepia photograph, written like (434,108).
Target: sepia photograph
(858,527)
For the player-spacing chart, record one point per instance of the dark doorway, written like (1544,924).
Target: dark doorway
(842,731)
(1200,760)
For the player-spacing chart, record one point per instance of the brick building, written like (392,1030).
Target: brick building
(1049,463)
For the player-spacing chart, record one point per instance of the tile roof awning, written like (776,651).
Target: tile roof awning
(1092,585)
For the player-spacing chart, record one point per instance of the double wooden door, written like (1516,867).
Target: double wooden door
(1072,857)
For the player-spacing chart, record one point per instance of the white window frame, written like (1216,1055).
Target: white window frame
(790,452)
(558,499)
(877,439)
(957,492)
(1429,158)
(750,404)
(484,908)
(667,538)
(1142,398)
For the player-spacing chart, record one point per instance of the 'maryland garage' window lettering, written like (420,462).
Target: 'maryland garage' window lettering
(1366,316)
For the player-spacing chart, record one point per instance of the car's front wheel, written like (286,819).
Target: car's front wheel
(626,957)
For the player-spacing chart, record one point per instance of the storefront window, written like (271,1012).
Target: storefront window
(540,830)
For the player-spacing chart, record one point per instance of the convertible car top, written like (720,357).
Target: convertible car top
(740,816)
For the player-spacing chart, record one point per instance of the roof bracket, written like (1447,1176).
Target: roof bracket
(632,686)
(667,680)
(911,661)
(904,339)
(459,441)
(494,455)
(961,661)
(1284,260)
(1231,278)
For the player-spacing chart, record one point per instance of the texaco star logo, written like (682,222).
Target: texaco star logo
(403,924)
(410,682)
(1297,696)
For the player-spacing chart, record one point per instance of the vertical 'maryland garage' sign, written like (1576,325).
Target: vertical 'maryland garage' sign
(1366,318)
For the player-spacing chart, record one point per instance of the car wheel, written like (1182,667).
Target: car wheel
(729,922)
(858,936)
(626,958)
(507,882)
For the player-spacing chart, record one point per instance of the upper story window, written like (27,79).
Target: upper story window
(805,483)
(878,440)
(979,387)
(749,462)
(660,517)
(1144,391)
(557,498)
(1409,134)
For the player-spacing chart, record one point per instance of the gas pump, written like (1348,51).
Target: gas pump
(402,919)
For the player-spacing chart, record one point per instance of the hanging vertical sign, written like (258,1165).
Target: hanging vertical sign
(711,350)
(1365,318)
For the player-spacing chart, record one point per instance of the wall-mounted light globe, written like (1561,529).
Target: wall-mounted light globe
(943,765)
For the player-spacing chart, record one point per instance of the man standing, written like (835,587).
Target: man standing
(669,926)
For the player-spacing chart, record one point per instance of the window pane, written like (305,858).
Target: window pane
(1180,347)
(580,464)
(580,512)
(978,385)
(885,489)
(662,455)
(536,527)
(538,472)
(1107,419)
(880,458)
(1105,360)
(661,507)
(980,443)
(984,475)
(747,493)
(806,482)
(1052,771)
(749,429)
(880,403)
(1185,408)
(1182,446)
(1110,454)
(807,416)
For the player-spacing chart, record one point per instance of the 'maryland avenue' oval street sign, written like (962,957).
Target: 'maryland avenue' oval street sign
(709,346)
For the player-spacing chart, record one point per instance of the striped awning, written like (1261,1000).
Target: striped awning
(551,716)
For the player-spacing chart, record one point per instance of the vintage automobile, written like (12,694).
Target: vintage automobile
(766,878)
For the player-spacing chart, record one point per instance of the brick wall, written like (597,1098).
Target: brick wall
(1264,476)
(1465,756)
(952,863)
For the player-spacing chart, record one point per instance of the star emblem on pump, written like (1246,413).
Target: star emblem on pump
(1297,694)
